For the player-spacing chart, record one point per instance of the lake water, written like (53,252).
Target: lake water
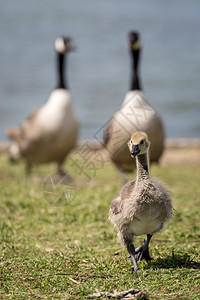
(99,69)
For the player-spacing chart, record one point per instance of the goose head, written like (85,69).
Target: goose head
(64,45)
(139,143)
(134,41)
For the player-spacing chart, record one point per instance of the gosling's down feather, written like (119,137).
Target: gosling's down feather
(51,131)
(143,206)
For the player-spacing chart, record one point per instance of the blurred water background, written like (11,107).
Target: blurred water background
(99,69)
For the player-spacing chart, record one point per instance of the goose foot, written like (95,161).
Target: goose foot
(131,251)
(61,172)
(143,251)
(65,177)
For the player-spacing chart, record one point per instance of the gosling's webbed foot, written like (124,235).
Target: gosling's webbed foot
(142,253)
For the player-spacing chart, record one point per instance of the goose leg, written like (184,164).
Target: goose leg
(60,170)
(121,172)
(28,169)
(65,177)
(143,251)
(131,251)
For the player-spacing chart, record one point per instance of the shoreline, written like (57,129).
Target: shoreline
(177,151)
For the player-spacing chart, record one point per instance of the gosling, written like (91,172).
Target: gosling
(143,205)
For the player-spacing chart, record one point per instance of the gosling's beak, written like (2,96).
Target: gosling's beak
(135,150)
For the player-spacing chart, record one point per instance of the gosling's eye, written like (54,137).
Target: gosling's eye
(142,142)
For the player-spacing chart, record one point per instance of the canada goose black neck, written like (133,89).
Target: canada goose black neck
(63,45)
(135,81)
(142,162)
(134,43)
(62,83)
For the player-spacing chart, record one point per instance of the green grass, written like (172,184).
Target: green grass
(54,247)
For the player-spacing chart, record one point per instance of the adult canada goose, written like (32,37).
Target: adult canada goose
(135,114)
(143,205)
(51,131)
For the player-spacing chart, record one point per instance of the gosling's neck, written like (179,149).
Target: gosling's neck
(143,172)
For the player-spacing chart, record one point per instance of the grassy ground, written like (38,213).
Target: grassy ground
(56,242)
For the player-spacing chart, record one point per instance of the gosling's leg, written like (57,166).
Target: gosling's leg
(131,251)
(143,251)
